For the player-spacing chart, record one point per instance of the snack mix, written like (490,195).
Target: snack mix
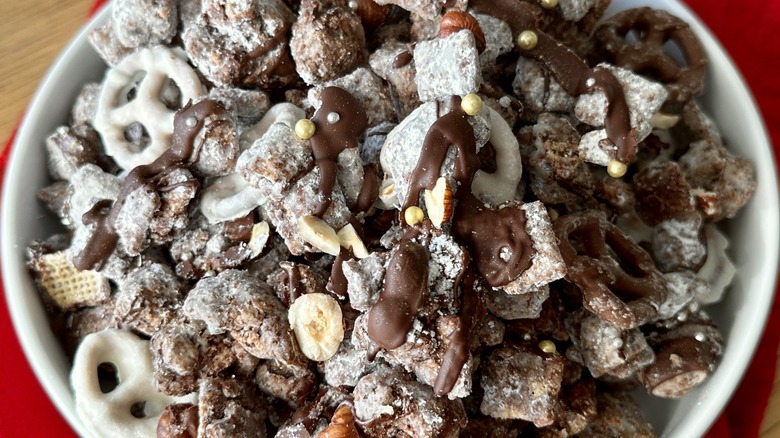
(387,218)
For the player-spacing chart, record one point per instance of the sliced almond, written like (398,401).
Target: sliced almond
(260,234)
(438,202)
(388,198)
(664,121)
(317,233)
(348,238)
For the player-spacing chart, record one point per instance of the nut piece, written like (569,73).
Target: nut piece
(388,198)
(664,121)
(317,233)
(438,202)
(316,321)
(455,21)
(348,238)
(342,425)
(260,234)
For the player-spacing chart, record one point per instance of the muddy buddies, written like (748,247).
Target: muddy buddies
(387,218)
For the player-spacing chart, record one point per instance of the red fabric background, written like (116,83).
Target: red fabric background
(746,31)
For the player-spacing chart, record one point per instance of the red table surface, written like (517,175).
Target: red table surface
(746,30)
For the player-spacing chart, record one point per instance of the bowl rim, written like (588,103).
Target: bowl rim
(734,363)
(62,396)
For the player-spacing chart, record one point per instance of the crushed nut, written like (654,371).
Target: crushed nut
(316,321)
(342,425)
(260,234)
(317,233)
(349,239)
(455,21)
(438,202)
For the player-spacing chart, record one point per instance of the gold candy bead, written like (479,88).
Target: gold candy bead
(548,346)
(549,4)
(305,129)
(616,169)
(527,40)
(471,104)
(413,215)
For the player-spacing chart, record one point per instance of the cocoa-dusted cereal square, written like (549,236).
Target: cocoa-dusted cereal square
(521,383)
(447,66)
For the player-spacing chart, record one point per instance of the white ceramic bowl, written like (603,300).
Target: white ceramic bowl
(741,316)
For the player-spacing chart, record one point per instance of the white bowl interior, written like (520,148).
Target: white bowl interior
(754,241)
(24,219)
(741,316)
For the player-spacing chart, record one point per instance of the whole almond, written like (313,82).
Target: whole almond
(455,21)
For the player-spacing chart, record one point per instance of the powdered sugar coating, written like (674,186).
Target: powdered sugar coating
(392,405)
(186,272)
(521,384)
(145,22)
(401,79)
(365,85)
(327,30)
(643,97)
(537,90)
(148,298)
(403,145)
(678,243)
(546,262)
(241,43)
(447,66)
(236,303)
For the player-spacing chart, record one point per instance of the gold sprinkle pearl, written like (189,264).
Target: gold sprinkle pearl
(527,40)
(305,129)
(616,169)
(471,104)
(548,346)
(413,215)
(549,4)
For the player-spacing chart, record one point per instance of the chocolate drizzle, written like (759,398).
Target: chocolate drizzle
(282,65)
(451,129)
(186,124)
(338,282)
(291,282)
(369,191)
(457,352)
(497,239)
(403,59)
(405,287)
(569,70)
(339,122)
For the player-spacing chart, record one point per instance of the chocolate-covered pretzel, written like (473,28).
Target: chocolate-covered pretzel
(618,279)
(653,29)
(686,349)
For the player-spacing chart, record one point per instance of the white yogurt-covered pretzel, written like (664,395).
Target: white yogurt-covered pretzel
(500,186)
(153,68)
(284,112)
(116,412)
(231,197)
(718,270)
